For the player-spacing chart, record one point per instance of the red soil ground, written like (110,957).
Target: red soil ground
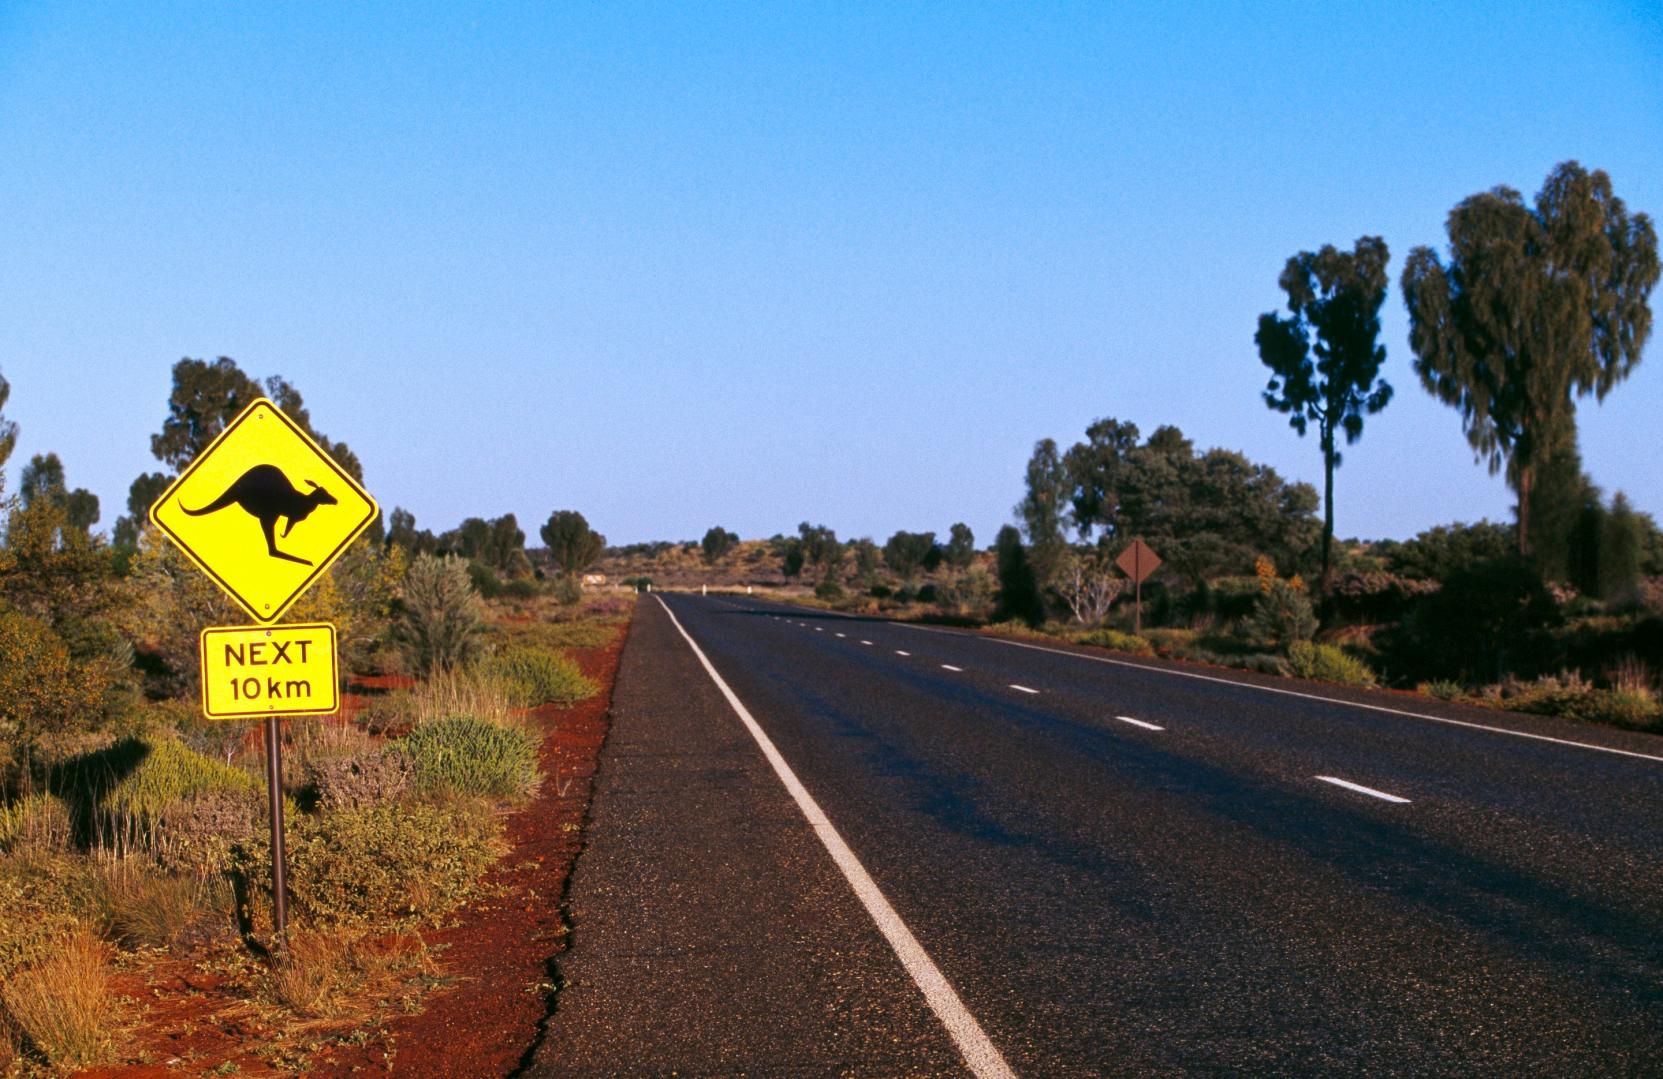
(495,955)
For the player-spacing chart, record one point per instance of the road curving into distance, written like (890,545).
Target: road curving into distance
(1110,867)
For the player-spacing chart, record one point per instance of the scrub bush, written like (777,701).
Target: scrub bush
(463,756)
(61,1003)
(534,676)
(375,776)
(1326,663)
(1120,642)
(440,615)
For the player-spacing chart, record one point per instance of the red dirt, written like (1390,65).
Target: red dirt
(496,954)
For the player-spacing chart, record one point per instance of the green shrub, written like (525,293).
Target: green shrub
(1443,690)
(388,863)
(1282,615)
(374,776)
(142,908)
(522,588)
(1619,707)
(40,898)
(1326,663)
(462,756)
(567,591)
(42,689)
(828,589)
(533,676)
(1113,638)
(196,836)
(440,616)
(484,580)
(1166,642)
(38,821)
(154,772)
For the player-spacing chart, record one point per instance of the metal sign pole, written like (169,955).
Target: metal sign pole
(279,870)
(1137,585)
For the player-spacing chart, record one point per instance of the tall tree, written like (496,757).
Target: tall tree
(820,547)
(1018,590)
(906,551)
(961,546)
(8,431)
(1325,356)
(43,482)
(1536,306)
(717,542)
(1044,509)
(1096,471)
(573,545)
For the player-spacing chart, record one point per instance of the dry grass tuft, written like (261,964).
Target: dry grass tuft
(59,1007)
(471,692)
(144,908)
(312,970)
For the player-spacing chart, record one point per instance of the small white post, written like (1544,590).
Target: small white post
(704,590)
(747,590)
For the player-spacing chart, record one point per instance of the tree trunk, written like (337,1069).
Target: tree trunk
(1327,517)
(1525,481)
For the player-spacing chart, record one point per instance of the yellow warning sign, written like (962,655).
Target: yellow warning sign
(263,511)
(269,670)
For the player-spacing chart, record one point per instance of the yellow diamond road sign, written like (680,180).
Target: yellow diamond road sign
(286,670)
(263,511)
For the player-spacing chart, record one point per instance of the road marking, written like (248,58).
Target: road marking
(865,642)
(1139,723)
(950,667)
(842,634)
(1360,789)
(1294,693)
(819,629)
(898,652)
(980,1054)
(1024,689)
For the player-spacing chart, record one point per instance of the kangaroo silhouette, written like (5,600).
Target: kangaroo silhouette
(265,493)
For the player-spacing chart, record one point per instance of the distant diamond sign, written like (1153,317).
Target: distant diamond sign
(1138,561)
(263,511)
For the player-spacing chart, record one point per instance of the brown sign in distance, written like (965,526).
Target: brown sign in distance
(1138,561)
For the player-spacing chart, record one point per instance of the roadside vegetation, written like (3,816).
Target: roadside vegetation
(1534,307)
(134,836)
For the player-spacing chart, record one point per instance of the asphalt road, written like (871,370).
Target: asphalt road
(1121,870)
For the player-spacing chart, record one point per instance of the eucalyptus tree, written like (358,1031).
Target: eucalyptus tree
(961,546)
(1325,356)
(573,546)
(8,431)
(1537,305)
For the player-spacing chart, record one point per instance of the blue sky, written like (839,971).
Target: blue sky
(679,265)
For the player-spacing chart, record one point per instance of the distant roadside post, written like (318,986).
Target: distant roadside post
(224,513)
(1138,561)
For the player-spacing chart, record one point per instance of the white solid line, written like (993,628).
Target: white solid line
(1360,789)
(1024,689)
(950,667)
(980,1054)
(1295,693)
(898,652)
(1139,723)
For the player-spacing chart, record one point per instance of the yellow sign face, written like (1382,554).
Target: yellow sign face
(263,511)
(250,671)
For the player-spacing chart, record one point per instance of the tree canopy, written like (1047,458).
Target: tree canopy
(1325,356)
(906,552)
(717,542)
(573,546)
(1536,306)
(961,546)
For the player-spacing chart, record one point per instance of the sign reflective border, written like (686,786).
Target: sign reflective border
(250,671)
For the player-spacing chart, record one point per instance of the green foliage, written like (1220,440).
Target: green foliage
(968,593)
(440,617)
(1482,623)
(819,547)
(137,779)
(143,908)
(1283,615)
(1018,590)
(484,580)
(497,546)
(1620,550)
(466,757)
(1327,663)
(1537,305)
(1441,552)
(38,821)
(8,431)
(1115,639)
(41,898)
(866,556)
(567,592)
(199,834)
(572,545)
(1442,689)
(906,551)
(41,690)
(532,676)
(387,863)
(717,542)
(961,547)
(1325,358)
(828,589)
(43,481)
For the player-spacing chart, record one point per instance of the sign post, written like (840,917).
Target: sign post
(264,511)
(1138,561)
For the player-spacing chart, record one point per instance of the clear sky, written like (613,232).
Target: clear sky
(679,265)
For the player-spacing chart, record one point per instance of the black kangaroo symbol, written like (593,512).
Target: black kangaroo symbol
(267,494)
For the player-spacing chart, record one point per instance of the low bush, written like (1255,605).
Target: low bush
(1443,690)
(532,676)
(467,757)
(60,1003)
(1621,708)
(1166,642)
(1326,663)
(40,895)
(129,785)
(828,589)
(440,616)
(388,863)
(143,908)
(1113,638)
(567,592)
(1282,615)
(197,835)
(374,776)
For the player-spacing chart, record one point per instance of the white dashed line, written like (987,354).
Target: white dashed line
(1360,789)
(842,634)
(1139,723)
(1024,689)
(980,1054)
(950,667)
(898,652)
(819,629)
(865,642)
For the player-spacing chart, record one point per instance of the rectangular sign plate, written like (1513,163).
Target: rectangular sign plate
(254,671)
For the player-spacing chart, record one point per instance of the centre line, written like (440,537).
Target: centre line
(1024,689)
(950,667)
(865,642)
(898,652)
(1360,789)
(980,1054)
(842,634)
(1139,723)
